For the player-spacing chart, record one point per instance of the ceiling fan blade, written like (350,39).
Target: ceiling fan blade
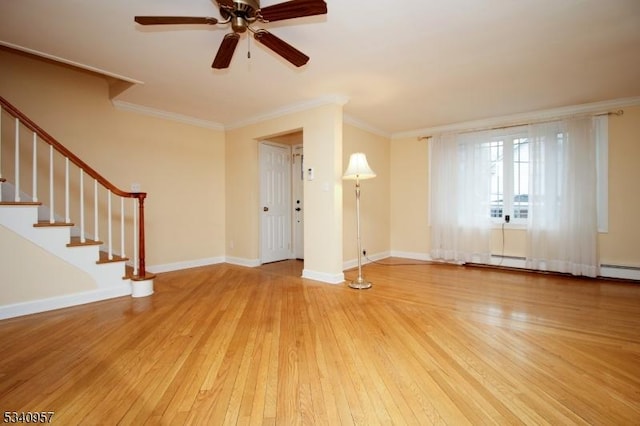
(170,20)
(282,48)
(225,52)
(293,9)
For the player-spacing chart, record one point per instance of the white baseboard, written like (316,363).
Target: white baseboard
(411,255)
(59,302)
(323,277)
(353,263)
(168,267)
(240,261)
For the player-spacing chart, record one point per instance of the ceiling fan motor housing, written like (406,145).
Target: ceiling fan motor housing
(242,15)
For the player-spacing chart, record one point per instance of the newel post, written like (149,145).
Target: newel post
(141,252)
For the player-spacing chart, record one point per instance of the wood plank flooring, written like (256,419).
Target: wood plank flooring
(428,344)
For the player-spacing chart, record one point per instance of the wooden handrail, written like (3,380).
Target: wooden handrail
(50,140)
(46,137)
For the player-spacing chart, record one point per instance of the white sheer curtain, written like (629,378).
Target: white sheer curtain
(562,228)
(460,198)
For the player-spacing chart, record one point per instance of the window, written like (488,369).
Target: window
(509,159)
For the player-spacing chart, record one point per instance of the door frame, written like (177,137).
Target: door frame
(297,234)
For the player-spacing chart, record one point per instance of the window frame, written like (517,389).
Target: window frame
(508,140)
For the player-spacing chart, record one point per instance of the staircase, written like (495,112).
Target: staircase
(99,266)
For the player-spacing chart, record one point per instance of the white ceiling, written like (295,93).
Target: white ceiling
(402,65)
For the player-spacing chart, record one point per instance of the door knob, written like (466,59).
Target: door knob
(265,209)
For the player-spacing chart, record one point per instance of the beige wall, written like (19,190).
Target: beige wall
(620,246)
(409,197)
(375,204)
(181,167)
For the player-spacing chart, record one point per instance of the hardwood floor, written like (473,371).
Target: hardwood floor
(428,344)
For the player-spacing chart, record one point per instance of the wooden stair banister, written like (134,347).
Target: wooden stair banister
(50,140)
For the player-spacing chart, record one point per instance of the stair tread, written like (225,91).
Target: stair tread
(104,258)
(46,223)
(128,274)
(75,242)
(20,203)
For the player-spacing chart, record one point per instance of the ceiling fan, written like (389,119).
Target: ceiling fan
(241,14)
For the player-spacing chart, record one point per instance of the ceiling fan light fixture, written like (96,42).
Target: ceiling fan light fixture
(239,24)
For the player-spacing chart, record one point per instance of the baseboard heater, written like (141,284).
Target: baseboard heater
(606,270)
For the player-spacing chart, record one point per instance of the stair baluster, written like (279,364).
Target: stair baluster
(16,196)
(55,148)
(34,189)
(82,230)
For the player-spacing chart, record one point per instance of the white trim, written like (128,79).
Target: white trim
(323,276)
(142,288)
(507,120)
(411,255)
(165,115)
(347,119)
(353,263)
(239,261)
(69,62)
(168,267)
(290,109)
(59,302)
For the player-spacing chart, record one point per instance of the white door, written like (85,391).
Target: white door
(297,177)
(275,202)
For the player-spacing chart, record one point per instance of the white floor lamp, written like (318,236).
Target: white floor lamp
(358,170)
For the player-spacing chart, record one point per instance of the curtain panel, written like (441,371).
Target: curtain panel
(563,224)
(460,192)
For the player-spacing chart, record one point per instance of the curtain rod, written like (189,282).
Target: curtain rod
(548,120)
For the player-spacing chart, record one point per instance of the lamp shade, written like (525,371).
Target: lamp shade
(358,168)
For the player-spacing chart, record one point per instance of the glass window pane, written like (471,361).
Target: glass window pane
(497,178)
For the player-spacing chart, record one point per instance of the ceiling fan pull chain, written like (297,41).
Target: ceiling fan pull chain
(249,48)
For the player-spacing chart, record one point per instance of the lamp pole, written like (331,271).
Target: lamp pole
(359,283)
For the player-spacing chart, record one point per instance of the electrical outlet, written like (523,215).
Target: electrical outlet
(507,218)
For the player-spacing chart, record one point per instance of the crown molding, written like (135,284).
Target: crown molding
(69,62)
(140,109)
(365,126)
(290,109)
(523,118)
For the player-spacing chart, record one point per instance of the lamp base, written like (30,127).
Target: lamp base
(360,284)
